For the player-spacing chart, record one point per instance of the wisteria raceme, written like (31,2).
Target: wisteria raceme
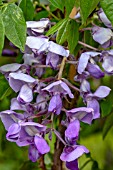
(42,97)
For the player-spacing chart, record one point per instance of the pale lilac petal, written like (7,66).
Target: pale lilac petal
(102,92)
(95,70)
(23,77)
(29,59)
(60,87)
(15,105)
(41,145)
(108,64)
(73,129)
(37,24)
(43,47)
(10,67)
(95,106)
(101,35)
(33,153)
(41,99)
(83,61)
(57,49)
(35,42)
(85,86)
(33,128)
(67,90)
(104,18)
(25,94)
(73,165)
(83,114)
(70,154)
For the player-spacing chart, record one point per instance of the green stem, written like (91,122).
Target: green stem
(61,68)
(43,6)
(82,167)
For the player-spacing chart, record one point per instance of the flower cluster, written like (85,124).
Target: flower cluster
(39,97)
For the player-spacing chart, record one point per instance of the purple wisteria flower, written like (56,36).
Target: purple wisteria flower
(91,99)
(52,59)
(17,80)
(86,62)
(37,27)
(55,104)
(83,114)
(59,87)
(107,61)
(104,18)
(24,133)
(72,153)
(58,90)
(103,36)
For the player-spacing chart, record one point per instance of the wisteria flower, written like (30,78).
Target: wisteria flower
(71,154)
(59,87)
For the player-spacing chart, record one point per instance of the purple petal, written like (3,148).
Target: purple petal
(6,118)
(101,35)
(83,114)
(73,165)
(102,92)
(33,153)
(35,42)
(15,84)
(70,154)
(72,130)
(55,104)
(41,145)
(95,70)
(26,94)
(13,132)
(60,87)
(52,59)
(83,61)
(95,106)
(10,67)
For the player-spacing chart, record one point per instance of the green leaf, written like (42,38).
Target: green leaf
(73,35)
(5,90)
(58,4)
(107,6)
(62,32)
(27,8)
(105,103)
(55,27)
(2,32)
(69,4)
(1,2)
(107,125)
(41,14)
(15,25)
(86,7)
